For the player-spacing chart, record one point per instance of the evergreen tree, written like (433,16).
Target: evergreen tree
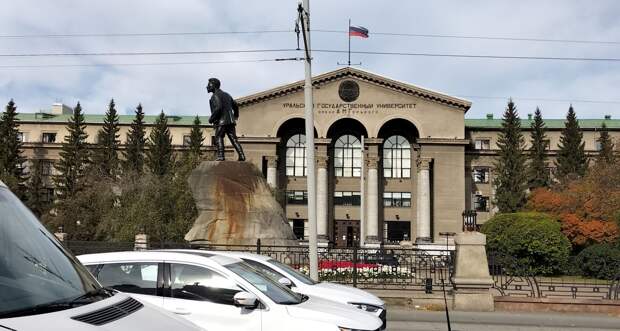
(74,156)
(159,157)
(134,153)
(106,156)
(35,190)
(538,174)
(11,159)
(571,161)
(196,138)
(606,154)
(511,177)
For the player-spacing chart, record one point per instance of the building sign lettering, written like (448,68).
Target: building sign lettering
(355,108)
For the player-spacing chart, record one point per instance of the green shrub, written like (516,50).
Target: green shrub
(600,261)
(527,243)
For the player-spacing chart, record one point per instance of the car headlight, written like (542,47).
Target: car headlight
(366,307)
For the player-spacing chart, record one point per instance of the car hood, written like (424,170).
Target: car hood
(148,317)
(342,293)
(334,312)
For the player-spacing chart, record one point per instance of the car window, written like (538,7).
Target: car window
(92,268)
(202,284)
(139,278)
(265,269)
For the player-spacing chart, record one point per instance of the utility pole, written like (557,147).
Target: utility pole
(304,17)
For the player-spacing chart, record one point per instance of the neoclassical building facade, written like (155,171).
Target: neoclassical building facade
(395,162)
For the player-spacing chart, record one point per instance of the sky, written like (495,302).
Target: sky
(175,83)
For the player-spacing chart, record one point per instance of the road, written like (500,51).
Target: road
(401,320)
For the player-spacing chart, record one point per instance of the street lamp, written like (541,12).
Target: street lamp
(469,220)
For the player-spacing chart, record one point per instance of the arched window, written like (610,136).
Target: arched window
(296,156)
(396,157)
(348,156)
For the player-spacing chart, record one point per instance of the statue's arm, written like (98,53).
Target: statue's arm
(216,109)
(235,108)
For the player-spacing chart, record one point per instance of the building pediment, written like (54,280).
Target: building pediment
(329,77)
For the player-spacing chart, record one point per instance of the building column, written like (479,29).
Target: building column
(272,171)
(424,201)
(372,211)
(322,198)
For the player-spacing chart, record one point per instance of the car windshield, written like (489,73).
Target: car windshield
(294,273)
(280,294)
(36,272)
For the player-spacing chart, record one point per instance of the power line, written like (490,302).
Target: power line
(475,56)
(451,36)
(77,65)
(148,53)
(445,55)
(141,34)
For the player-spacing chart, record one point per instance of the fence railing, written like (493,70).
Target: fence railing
(511,279)
(408,269)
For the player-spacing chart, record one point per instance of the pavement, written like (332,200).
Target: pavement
(402,319)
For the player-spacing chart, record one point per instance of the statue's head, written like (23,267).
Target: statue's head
(213,84)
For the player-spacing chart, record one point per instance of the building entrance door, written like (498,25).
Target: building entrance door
(347,233)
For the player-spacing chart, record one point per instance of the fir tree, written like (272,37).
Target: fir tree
(159,157)
(538,174)
(196,139)
(74,156)
(35,190)
(106,156)
(134,153)
(571,161)
(11,159)
(606,152)
(511,177)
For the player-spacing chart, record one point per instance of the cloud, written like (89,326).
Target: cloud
(179,89)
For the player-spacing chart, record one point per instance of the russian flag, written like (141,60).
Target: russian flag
(358,31)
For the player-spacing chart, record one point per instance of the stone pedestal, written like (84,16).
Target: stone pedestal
(236,207)
(472,281)
(141,242)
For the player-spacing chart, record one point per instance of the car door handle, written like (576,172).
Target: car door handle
(181,311)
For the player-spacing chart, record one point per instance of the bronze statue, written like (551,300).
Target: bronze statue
(224,115)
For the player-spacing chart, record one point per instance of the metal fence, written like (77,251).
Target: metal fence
(408,269)
(513,280)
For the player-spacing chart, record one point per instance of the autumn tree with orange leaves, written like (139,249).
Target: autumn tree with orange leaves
(588,208)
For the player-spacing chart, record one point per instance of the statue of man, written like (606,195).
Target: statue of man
(224,115)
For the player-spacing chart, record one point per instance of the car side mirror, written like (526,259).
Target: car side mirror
(245,300)
(286,282)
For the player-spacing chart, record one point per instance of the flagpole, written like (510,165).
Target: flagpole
(349,33)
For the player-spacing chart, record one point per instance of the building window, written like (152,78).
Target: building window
(347,198)
(299,228)
(48,137)
(397,199)
(480,174)
(297,197)
(483,143)
(547,143)
(46,168)
(187,139)
(48,195)
(396,231)
(396,157)
(348,156)
(296,156)
(22,137)
(481,203)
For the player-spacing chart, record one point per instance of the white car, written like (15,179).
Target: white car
(301,283)
(220,292)
(43,287)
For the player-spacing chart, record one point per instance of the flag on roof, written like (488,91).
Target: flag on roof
(358,31)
